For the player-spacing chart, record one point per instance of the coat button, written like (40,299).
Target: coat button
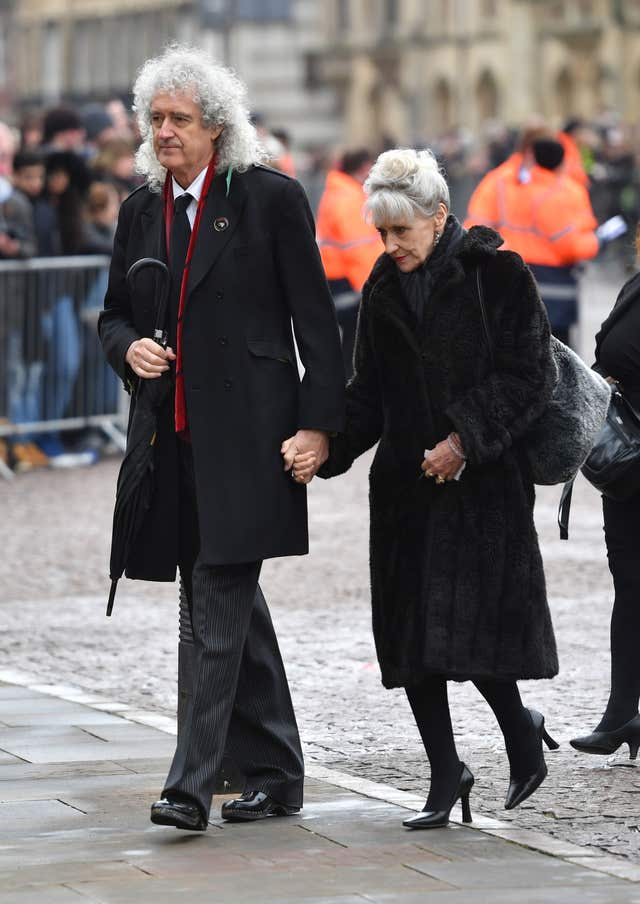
(228,384)
(219,295)
(223,341)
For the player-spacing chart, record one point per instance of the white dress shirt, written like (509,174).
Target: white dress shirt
(195,190)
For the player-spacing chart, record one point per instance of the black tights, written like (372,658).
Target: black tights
(430,704)
(621,523)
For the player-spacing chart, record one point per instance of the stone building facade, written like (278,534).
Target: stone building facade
(81,50)
(413,69)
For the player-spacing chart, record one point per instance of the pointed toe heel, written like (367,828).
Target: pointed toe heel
(438,819)
(520,789)
(604,743)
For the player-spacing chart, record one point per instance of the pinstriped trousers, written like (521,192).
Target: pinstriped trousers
(240,704)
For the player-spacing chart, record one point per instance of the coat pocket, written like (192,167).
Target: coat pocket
(270,348)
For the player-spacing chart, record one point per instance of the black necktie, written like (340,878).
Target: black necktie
(178,245)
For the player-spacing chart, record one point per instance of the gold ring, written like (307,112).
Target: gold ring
(439,479)
(429,473)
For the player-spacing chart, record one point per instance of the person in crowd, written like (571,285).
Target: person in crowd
(120,117)
(549,222)
(103,204)
(63,130)
(16,217)
(349,245)
(618,359)
(61,229)
(579,142)
(99,129)
(225,501)
(21,373)
(285,162)
(116,164)
(60,213)
(29,174)
(31,128)
(458,588)
(485,204)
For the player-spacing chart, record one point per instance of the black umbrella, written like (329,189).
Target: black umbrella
(136,478)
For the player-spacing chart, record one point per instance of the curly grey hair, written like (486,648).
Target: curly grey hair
(402,183)
(218,92)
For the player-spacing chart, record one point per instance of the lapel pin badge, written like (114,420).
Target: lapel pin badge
(220,224)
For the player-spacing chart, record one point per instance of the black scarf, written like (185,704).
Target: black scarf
(418,286)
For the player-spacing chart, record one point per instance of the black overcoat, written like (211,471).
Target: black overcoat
(248,281)
(457,581)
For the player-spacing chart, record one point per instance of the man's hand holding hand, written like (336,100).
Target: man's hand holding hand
(147,359)
(305,453)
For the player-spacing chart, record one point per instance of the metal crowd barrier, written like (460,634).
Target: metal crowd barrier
(53,375)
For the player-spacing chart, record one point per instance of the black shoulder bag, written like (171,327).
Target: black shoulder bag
(559,440)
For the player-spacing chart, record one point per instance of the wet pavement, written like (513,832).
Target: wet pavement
(77,774)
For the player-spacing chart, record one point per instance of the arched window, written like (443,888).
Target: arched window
(443,118)
(487,100)
(565,94)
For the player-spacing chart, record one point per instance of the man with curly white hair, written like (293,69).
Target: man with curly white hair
(239,240)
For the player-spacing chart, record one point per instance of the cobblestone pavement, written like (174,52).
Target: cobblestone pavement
(54,539)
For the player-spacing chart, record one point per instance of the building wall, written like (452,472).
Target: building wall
(415,68)
(79,50)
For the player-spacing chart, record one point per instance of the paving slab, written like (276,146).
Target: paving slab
(78,830)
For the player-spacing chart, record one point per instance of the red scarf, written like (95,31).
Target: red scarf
(168,201)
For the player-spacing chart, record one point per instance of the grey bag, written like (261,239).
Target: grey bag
(558,443)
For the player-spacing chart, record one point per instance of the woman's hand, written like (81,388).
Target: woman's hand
(442,463)
(305,467)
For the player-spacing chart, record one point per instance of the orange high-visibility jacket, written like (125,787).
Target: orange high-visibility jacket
(547,220)
(484,209)
(349,246)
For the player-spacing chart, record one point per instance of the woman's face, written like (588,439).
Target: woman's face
(410,242)
(58,182)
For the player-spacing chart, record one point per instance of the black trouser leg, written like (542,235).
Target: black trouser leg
(430,705)
(224,600)
(521,740)
(189,544)
(263,736)
(621,526)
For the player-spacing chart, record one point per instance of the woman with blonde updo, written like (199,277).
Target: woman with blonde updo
(458,588)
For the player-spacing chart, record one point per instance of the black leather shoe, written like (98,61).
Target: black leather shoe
(179,814)
(521,789)
(607,742)
(254,805)
(438,819)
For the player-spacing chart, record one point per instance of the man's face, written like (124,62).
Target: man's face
(7,149)
(183,144)
(30,179)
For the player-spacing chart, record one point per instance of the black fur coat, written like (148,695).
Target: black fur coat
(457,581)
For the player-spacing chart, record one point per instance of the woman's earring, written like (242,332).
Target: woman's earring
(436,238)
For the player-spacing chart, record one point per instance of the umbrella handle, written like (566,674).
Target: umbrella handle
(159,333)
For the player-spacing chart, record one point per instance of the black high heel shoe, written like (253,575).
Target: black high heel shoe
(607,742)
(437,819)
(521,789)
